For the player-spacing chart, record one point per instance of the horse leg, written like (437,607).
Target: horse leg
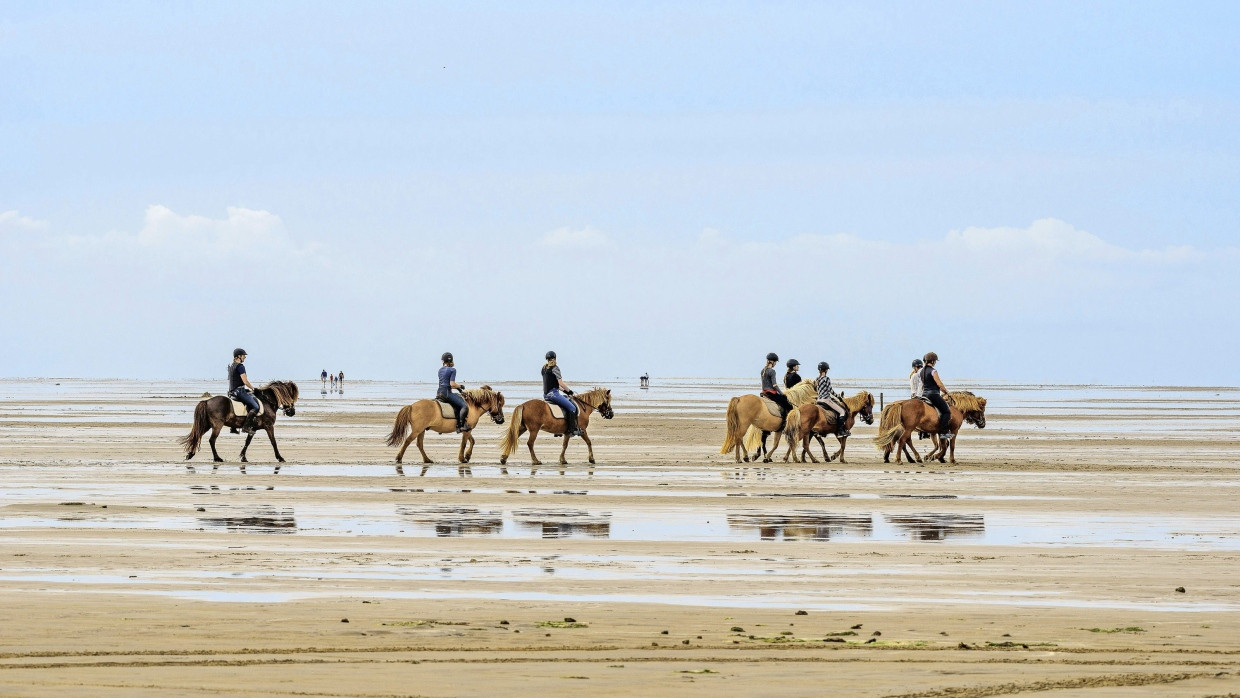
(271,435)
(215,434)
(422,438)
(533,458)
(563,450)
(952,447)
(900,446)
(460,454)
(469,453)
(589,446)
(805,452)
(763,450)
(839,455)
(248,438)
(826,458)
(400,456)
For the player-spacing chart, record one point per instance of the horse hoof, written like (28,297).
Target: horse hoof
(218,460)
(592,461)
(280,459)
(503,461)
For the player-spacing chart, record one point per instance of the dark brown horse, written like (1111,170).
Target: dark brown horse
(535,415)
(816,421)
(916,415)
(216,413)
(413,421)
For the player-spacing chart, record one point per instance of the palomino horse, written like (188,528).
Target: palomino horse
(802,393)
(535,415)
(216,413)
(749,422)
(413,421)
(916,415)
(814,420)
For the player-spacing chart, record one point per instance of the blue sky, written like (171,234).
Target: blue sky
(1037,191)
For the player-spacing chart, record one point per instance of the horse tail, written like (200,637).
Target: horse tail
(888,438)
(202,423)
(734,425)
(400,430)
(890,416)
(509,443)
(792,426)
(753,438)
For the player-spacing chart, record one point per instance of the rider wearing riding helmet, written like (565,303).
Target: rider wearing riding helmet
(240,389)
(447,382)
(932,389)
(556,392)
(792,378)
(831,400)
(771,389)
(914,379)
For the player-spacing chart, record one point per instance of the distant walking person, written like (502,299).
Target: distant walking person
(556,392)
(645,380)
(447,383)
(240,389)
(324,377)
(333,380)
(340,381)
(932,389)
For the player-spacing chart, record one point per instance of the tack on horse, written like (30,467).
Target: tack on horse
(750,420)
(426,415)
(217,412)
(813,420)
(802,393)
(535,415)
(916,415)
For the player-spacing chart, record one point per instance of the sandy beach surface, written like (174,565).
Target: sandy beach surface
(1086,544)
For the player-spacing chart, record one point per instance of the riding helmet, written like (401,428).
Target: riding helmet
(239,352)
(447,357)
(917,363)
(824,366)
(931,357)
(550,355)
(793,363)
(772,357)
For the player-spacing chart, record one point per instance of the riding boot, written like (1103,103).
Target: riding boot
(570,424)
(840,425)
(251,421)
(461,426)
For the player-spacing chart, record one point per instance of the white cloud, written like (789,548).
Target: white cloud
(583,238)
(1050,238)
(15,221)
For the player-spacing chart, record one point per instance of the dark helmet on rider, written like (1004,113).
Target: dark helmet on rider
(931,357)
(772,357)
(824,366)
(239,352)
(793,363)
(447,357)
(550,355)
(917,363)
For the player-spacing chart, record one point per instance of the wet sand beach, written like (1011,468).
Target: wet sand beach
(1087,543)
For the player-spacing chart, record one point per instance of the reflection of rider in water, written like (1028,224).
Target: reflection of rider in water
(556,392)
(771,389)
(447,382)
(932,389)
(239,389)
(829,399)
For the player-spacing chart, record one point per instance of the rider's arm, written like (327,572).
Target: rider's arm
(563,386)
(940,382)
(246,379)
(456,385)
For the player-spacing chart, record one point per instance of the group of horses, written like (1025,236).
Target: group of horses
(750,420)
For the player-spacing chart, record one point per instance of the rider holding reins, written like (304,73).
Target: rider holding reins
(240,389)
(771,389)
(831,400)
(447,382)
(932,389)
(556,392)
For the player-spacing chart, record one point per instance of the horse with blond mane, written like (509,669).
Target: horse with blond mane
(425,415)
(750,421)
(916,415)
(535,415)
(814,421)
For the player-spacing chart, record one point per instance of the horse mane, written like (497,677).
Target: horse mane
(966,401)
(802,393)
(480,397)
(593,398)
(284,392)
(859,401)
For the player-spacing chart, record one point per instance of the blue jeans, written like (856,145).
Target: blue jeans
(245,396)
(559,398)
(457,402)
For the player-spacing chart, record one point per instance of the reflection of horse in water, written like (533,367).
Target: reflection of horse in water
(749,422)
(263,520)
(803,525)
(814,420)
(560,523)
(931,527)
(916,415)
(217,412)
(535,415)
(413,421)
(452,521)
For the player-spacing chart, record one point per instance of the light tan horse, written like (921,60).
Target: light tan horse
(749,422)
(816,421)
(916,415)
(535,415)
(802,393)
(413,421)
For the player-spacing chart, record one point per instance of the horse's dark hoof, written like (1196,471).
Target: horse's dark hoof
(244,460)
(189,457)
(280,459)
(592,461)
(218,460)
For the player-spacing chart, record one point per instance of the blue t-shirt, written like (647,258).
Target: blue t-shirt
(447,374)
(234,377)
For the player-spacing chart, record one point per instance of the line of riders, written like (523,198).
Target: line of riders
(924,383)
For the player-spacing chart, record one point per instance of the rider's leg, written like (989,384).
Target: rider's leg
(251,410)
(841,417)
(945,413)
(570,411)
(460,409)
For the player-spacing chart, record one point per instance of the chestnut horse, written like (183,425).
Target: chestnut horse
(413,421)
(216,413)
(916,415)
(890,418)
(535,415)
(815,420)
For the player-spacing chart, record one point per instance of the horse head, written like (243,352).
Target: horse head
(604,407)
(977,417)
(497,408)
(867,409)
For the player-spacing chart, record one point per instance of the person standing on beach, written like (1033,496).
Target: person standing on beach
(240,389)
(556,392)
(792,377)
(340,381)
(771,389)
(932,389)
(324,377)
(447,383)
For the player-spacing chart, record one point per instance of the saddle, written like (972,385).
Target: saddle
(239,408)
(556,410)
(772,407)
(924,399)
(445,409)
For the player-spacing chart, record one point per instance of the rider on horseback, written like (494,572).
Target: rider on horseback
(447,381)
(239,389)
(831,400)
(914,379)
(771,389)
(792,378)
(556,392)
(932,389)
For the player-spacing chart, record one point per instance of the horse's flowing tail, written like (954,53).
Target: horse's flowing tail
(734,425)
(202,423)
(400,430)
(509,443)
(753,438)
(888,438)
(792,425)
(890,416)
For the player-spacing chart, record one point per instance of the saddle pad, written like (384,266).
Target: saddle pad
(445,409)
(556,410)
(239,407)
(771,407)
(926,400)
